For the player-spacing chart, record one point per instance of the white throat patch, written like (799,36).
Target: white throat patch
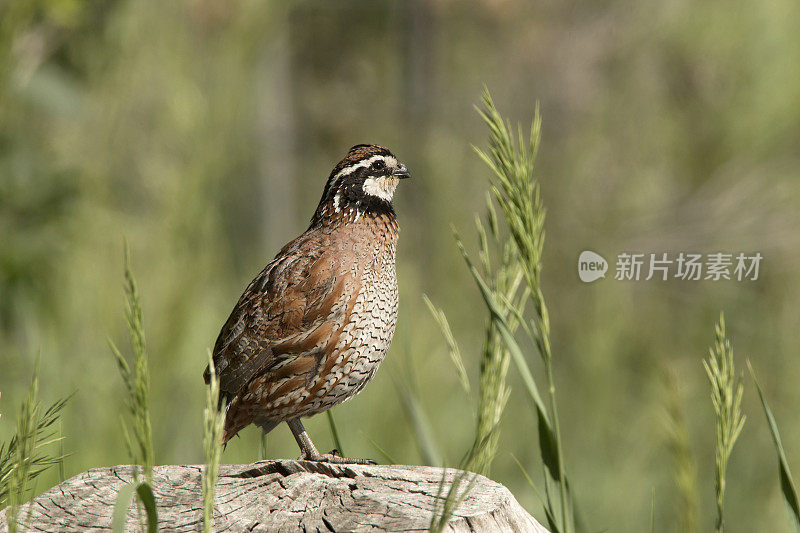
(382,188)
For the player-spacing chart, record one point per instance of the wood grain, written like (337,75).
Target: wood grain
(277,496)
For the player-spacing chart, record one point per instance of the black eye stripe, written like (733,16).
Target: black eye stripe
(379,165)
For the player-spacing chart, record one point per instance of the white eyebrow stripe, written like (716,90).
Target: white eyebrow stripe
(361,164)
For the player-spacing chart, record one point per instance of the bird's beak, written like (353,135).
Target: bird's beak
(401,171)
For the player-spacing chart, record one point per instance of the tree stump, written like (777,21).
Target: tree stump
(275,496)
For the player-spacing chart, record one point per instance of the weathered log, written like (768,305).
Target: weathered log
(283,496)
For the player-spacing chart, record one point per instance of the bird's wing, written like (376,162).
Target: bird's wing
(281,317)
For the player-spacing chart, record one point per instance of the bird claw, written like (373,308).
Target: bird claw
(334,458)
(338,459)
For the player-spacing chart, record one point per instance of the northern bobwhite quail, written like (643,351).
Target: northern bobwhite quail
(311,329)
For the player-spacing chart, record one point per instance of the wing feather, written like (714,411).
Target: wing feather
(282,315)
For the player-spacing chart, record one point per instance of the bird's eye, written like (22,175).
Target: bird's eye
(379,165)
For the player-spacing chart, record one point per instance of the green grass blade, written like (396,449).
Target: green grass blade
(550,518)
(389,459)
(145,493)
(213,426)
(337,442)
(422,429)
(787,482)
(136,376)
(455,352)
(553,525)
(121,508)
(26,455)
(517,193)
(122,365)
(508,337)
(62,475)
(547,438)
(580,526)
(262,446)
(444,512)
(726,397)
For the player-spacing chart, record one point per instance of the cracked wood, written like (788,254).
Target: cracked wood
(278,496)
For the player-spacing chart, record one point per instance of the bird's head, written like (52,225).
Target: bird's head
(362,183)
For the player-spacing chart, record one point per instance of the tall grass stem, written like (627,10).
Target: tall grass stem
(726,397)
(213,424)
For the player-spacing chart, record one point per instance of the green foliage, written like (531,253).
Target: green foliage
(551,519)
(494,393)
(140,439)
(503,286)
(505,279)
(421,427)
(506,289)
(452,344)
(726,395)
(460,485)
(137,381)
(213,424)
(511,158)
(388,459)
(120,514)
(204,131)
(788,489)
(28,454)
(337,442)
(262,446)
(145,496)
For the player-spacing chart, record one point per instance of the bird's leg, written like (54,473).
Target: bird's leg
(310,452)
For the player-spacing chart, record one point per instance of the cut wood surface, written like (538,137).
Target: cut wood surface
(281,496)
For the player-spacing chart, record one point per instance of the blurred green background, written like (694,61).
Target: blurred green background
(203,131)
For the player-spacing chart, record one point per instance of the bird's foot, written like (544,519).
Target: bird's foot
(310,452)
(334,458)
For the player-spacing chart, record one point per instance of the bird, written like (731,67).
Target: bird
(312,328)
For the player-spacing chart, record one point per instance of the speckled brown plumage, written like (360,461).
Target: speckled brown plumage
(311,329)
